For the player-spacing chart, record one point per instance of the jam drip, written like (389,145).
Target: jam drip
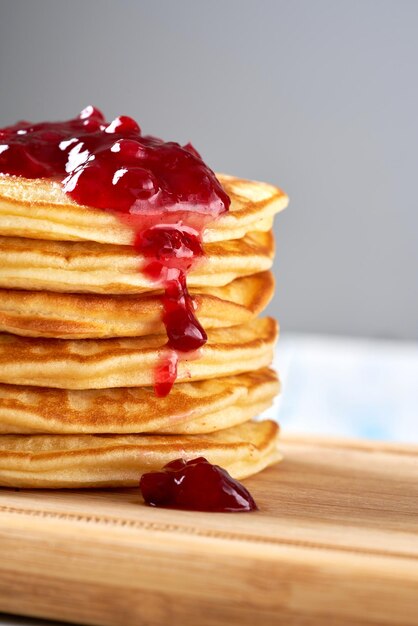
(170,252)
(163,190)
(195,485)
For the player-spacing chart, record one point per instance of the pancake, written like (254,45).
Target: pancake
(131,362)
(79,461)
(191,408)
(91,267)
(80,316)
(39,209)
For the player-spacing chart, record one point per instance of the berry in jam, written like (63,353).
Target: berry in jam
(163,190)
(195,485)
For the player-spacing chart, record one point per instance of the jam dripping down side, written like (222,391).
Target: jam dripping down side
(163,190)
(170,253)
(195,485)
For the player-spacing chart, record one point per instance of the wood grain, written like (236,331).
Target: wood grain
(335,542)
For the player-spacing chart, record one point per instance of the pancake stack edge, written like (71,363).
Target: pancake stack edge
(81,335)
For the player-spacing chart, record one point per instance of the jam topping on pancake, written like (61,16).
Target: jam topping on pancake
(163,190)
(195,485)
(112,165)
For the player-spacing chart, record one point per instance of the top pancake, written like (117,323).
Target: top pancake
(40,209)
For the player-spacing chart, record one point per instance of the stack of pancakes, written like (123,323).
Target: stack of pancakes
(82,332)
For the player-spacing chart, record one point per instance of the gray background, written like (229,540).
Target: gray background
(320,97)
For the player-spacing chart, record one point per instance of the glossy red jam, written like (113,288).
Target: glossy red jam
(164,190)
(113,166)
(195,485)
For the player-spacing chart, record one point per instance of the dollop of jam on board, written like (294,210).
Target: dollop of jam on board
(195,485)
(164,191)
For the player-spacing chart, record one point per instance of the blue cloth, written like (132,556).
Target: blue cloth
(348,387)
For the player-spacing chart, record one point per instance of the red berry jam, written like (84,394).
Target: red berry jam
(195,485)
(163,190)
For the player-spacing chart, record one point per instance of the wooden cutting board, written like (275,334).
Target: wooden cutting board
(335,542)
